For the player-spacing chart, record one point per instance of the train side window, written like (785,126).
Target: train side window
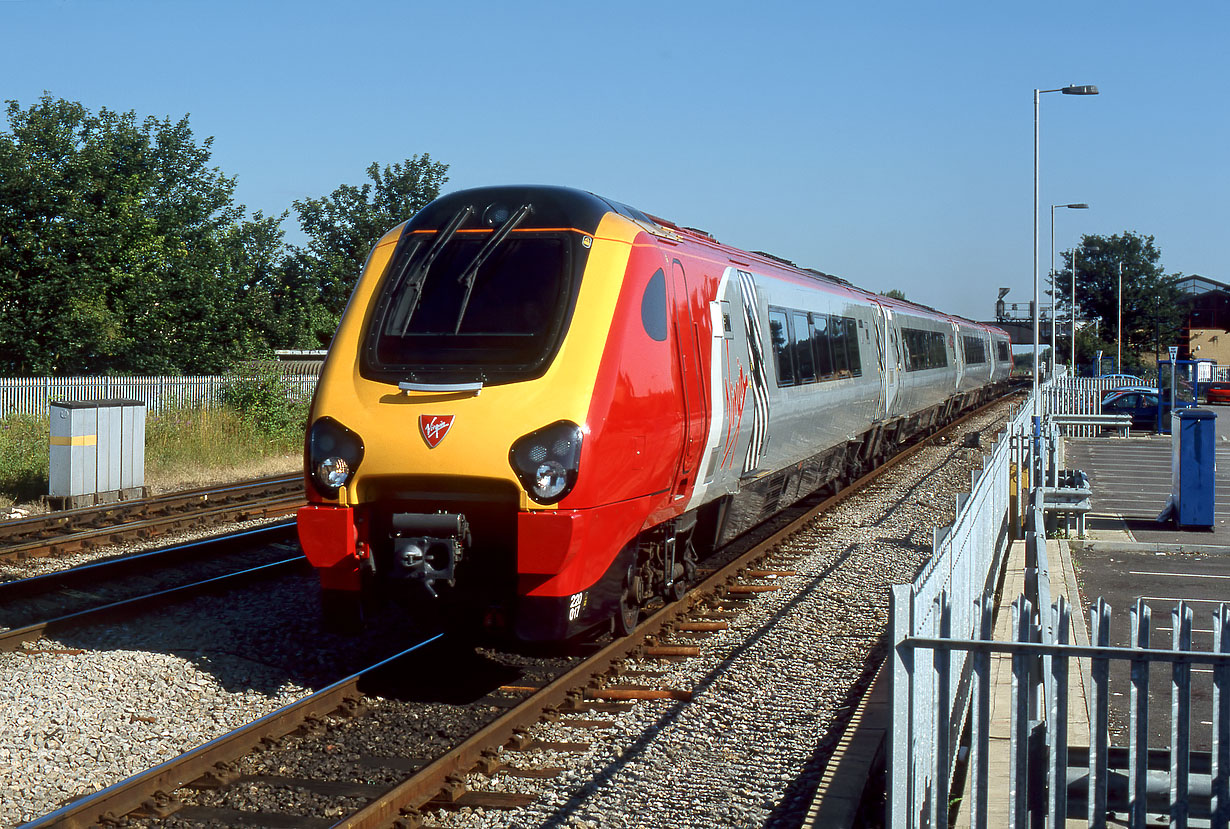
(821,346)
(653,307)
(779,339)
(856,363)
(939,351)
(841,357)
(800,344)
(975,350)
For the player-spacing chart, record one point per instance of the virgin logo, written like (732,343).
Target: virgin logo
(434,428)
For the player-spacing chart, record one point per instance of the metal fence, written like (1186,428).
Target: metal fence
(32,395)
(966,561)
(942,629)
(1076,397)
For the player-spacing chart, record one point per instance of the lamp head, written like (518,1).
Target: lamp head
(1077,206)
(1080,90)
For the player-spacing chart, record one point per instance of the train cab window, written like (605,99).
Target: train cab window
(779,339)
(469,310)
(653,307)
(800,344)
(1005,353)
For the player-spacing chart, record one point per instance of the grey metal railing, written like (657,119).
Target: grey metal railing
(966,562)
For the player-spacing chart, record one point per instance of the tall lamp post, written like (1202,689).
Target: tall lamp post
(1054,290)
(1074,309)
(1119,324)
(1066,90)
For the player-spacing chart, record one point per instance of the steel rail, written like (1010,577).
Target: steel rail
(90,574)
(11,639)
(272,507)
(128,794)
(22,531)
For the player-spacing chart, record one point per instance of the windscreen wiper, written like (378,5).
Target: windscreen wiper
(415,279)
(471,272)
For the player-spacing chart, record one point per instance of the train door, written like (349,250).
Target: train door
(687,347)
(958,354)
(887,346)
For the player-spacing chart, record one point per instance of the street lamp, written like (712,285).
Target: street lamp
(1054,290)
(1119,323)
(1074,310)
(1066,90)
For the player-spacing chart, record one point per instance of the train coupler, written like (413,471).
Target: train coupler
(427,548)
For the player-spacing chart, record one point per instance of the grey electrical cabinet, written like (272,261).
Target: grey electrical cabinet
(97,452)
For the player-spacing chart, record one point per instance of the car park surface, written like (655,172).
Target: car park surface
(1128,556)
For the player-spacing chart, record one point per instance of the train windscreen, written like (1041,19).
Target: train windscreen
(473,306)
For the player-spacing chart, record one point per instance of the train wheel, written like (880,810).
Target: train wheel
(629,606)
(679,584)
(341,611)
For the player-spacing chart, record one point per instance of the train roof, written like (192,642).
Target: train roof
(584,210)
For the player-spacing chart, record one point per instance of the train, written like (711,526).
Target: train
(545,407)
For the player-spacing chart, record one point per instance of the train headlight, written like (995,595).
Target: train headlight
(546,461)
(333,472)
(334,453)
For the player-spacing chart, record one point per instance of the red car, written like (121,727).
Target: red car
(1217,392)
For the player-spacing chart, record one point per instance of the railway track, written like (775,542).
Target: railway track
(579,697)
(73,531)
(128,585)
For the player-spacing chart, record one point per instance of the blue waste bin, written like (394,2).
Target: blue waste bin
(1193,440)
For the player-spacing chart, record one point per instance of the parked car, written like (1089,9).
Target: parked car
(1140,404)
(1217,392)
(1124,379)
(1108,393)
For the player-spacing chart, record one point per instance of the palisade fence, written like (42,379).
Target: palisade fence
(32,395)
(932,687)
(942,656)
(1076,396)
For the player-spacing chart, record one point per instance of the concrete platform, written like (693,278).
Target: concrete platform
(999,758)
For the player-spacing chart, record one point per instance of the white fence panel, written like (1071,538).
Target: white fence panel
(32,395)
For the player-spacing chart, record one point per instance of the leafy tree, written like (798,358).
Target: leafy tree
(1152,315)
(894,294)
(343,226)
(121,249)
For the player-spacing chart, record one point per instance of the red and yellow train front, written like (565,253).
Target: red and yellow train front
(498,417)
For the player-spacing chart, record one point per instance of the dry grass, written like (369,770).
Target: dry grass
(177,478)
(184,449)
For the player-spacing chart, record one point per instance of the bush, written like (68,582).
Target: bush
(263,398)
(24,458)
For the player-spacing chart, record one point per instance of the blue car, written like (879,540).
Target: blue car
(1139,403)
(1123,379)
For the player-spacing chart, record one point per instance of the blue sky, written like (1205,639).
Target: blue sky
(889,143)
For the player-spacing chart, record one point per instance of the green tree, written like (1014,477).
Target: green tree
(119,246)
(894,294)
(343,226)
(1152,315)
